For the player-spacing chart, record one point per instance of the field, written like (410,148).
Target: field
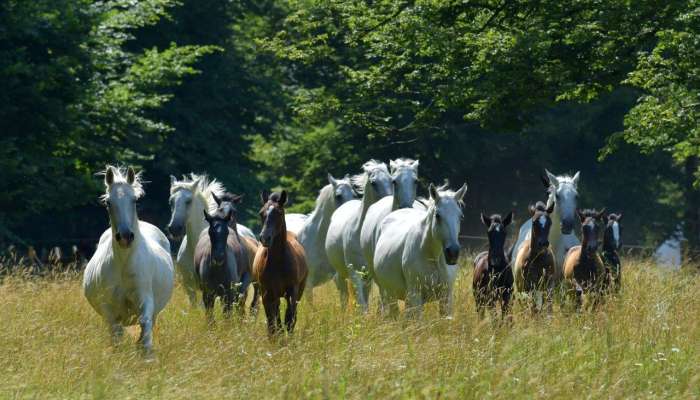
(644,344)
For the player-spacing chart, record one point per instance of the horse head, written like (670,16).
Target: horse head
(590,229)
(541,224)
(445,213)
(563,191)
(122,193)
(404,178)
(496,232)
(272,217)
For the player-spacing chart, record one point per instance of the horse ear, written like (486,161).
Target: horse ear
(173,179)
(283,198)
(508,219)
(433,192)
(461,192)
(545,180)
(392,164)
(264,196)
(237,198)
(485,220)
(207,216)
(130,176)
(332,180)
(216,198)
(601,214)
(553,181)
(415,164)
(619,217)
(581,217)
(109,175)
(574,180)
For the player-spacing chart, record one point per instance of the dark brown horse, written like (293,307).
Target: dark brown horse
(533,268)
(280,264)
(584,272)
(612,242)
(493,278)
(223,262)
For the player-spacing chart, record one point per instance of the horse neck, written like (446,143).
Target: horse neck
(496,252)
(430,244)
(320,218)
(369,197)
(555,231)
(195,220)
(278,248)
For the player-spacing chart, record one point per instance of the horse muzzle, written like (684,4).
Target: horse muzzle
(567,227)
(125,238)
(176,231)
(451,254)
(265,240)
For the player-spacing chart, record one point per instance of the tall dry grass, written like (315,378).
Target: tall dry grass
(644,344)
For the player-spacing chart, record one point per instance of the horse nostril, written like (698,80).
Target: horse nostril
(118,236)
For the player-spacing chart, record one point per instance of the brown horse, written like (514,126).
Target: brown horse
(280,264)
(533,269)
(584,271)
(223,262)
(493,278)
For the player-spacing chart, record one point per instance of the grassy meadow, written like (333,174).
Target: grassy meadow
(644,344)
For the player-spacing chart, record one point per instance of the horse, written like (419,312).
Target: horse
(563,194)
(223,263)
(414,250)
(493,279)
(343,237)
(130,277)
(584,272)
(187,198)
(404,177)
(280,264)
(612,242)
(344,192)
(312,232)
(535,263)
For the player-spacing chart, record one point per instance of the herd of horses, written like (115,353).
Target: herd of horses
(365,229)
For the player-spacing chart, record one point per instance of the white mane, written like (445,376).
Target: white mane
(200,185)
(401,163)
(360,180)
(120,177)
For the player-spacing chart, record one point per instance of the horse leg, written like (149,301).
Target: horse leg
(256,299)
(414,302)
(146,323)
(116,330)
(358,285)
(208,298)
(272,311)
(342,286)
(290,316)
(228,303)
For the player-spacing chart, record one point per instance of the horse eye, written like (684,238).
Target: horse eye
(438,217)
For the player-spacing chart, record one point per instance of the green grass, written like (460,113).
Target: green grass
(645,344)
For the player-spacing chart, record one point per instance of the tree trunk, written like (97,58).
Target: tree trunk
(692,210)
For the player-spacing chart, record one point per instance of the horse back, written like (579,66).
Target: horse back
(297,259)
(249,248)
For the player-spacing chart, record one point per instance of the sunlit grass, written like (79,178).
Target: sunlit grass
(644,344)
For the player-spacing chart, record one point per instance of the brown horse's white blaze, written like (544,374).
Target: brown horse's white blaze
(280,264)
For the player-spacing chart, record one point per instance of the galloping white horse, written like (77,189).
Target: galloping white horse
(130,277)
(188,198)
(343,238)
(344,192)
(563,192)
(414,250)
(313,230)
(404,175)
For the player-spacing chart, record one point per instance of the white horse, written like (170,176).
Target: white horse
(414,250)
(563,192)
(130,277)
(188,198)
(404,176)
(344,192)
(343,238)
(313,230)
